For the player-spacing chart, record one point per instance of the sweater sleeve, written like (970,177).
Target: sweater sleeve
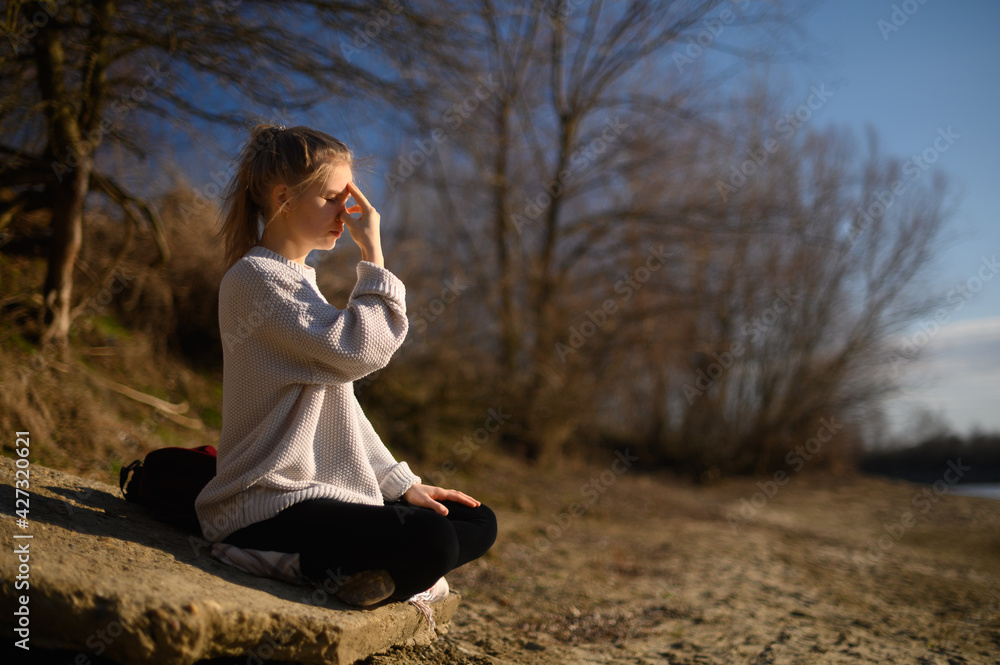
(345,344)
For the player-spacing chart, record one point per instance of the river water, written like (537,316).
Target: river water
(988,490)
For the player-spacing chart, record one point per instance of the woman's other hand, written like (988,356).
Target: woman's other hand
(428,496)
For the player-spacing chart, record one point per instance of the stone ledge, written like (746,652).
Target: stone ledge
(107,580)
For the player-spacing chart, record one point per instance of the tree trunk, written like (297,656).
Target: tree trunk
(73,138)
(509,335)
(67,236)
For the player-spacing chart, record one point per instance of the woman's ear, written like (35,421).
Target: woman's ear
(280,196)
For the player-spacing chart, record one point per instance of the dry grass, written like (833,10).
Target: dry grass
(127,332)
(80,425)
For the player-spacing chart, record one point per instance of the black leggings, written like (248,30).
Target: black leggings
(336,539)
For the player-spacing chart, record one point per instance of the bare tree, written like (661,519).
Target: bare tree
(82,75)
(665,263)
(799,278)
(539,182)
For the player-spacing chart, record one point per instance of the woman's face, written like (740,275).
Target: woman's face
(314,219)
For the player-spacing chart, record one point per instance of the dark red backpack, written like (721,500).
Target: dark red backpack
(168,481)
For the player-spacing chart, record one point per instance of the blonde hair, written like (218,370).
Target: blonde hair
(297,157)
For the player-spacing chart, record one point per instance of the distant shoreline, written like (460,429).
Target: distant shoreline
(985,483)
(984,490)
(977,475)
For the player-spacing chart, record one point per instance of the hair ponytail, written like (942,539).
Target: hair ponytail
(297,157)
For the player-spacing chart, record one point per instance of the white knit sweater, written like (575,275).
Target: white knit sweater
(292,428)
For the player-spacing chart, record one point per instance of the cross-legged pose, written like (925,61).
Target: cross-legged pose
(300,469)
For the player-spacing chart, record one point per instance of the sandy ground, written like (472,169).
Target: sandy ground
(596,566)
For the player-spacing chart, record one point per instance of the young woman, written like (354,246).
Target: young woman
(300,468)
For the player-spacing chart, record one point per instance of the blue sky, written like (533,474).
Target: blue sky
(929,66)
(938,69)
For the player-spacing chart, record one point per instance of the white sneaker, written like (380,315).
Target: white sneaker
(422,601)
(435,593)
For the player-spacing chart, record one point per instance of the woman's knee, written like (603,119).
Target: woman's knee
(486,517)
(486,520)
(482,517)
(432,539)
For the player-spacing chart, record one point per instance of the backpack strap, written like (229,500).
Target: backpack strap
(123,475)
